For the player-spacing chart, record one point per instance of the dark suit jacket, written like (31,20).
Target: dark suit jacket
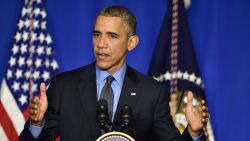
(72,100)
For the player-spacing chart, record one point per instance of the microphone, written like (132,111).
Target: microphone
(126,117)
(102,116)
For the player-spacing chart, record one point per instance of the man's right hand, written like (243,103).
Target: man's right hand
(38,106)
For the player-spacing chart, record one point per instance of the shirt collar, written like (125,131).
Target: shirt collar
(118,75)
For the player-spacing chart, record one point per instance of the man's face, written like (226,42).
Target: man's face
(111,42)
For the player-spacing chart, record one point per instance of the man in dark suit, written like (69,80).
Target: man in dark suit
(68,109)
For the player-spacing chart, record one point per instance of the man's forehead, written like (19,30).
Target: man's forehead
(103,22)
(113,24)
(109,19)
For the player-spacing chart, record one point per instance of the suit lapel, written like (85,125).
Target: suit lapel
(129,93)
(88,95)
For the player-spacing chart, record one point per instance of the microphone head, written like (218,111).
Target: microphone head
(102,116)
(126,114)
(102,106)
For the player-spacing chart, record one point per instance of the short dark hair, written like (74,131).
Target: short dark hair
(124,13)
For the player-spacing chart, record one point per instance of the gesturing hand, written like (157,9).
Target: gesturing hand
(197,116)
(38,106)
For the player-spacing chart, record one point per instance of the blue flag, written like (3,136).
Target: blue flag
(174,63)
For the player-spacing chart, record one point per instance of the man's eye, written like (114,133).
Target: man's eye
(112,36)
(96,35)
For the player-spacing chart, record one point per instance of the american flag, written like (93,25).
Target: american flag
(31,62)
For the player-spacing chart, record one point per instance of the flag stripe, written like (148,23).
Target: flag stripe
(2,134)
(7,125)
(12,109)
(26,114)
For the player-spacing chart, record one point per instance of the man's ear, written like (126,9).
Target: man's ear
(133,41)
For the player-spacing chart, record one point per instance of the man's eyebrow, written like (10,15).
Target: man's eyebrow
(95,31)
(112,33)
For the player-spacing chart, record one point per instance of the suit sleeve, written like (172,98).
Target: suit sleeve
(163,125)
(50,130)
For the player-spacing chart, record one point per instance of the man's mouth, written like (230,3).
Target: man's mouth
(102,55)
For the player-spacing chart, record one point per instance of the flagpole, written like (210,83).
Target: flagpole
(31,81)
(174,52)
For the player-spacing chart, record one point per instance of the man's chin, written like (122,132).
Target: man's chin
(102,66)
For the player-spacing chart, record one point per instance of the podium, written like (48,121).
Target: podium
(115,136)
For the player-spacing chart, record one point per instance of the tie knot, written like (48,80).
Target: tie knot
(109,79)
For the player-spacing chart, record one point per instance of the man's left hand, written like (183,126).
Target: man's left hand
(197,116)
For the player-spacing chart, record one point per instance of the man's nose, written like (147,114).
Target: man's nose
(102,43)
